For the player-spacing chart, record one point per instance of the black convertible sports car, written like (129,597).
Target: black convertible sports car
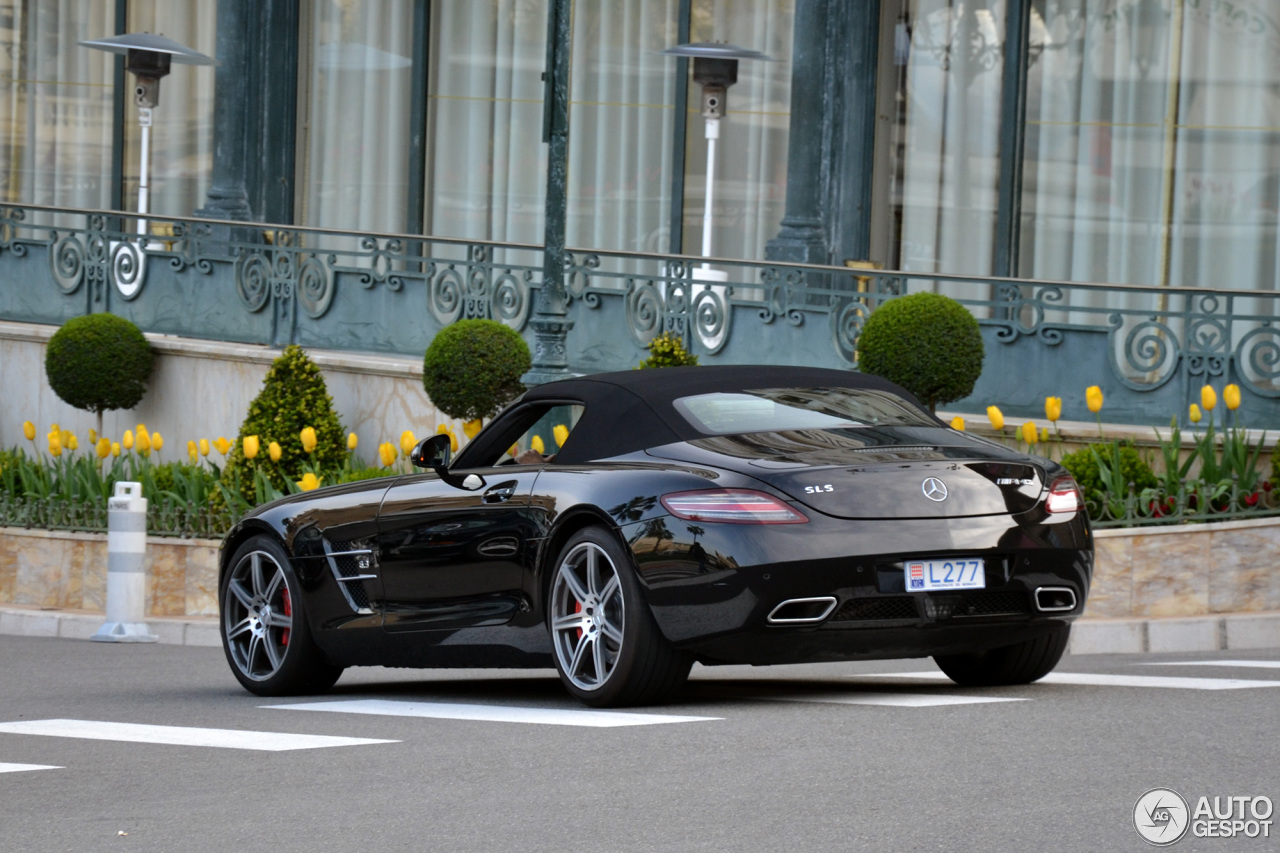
(722,515)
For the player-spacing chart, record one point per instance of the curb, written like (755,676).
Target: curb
(1167,635)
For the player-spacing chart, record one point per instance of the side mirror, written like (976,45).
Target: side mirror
(435,453)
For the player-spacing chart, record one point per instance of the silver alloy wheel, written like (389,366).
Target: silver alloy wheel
(257,615)
(587,616)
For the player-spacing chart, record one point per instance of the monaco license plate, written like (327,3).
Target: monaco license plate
(957,573)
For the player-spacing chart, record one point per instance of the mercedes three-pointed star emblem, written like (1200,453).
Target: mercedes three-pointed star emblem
(934,489)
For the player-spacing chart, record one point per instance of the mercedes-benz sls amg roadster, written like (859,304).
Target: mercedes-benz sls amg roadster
(621,527)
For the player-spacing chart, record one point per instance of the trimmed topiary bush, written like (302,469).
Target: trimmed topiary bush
(927,343)
(473,368)
(667,350)
(99,362)
(293,396)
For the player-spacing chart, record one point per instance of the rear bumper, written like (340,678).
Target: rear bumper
(713,590)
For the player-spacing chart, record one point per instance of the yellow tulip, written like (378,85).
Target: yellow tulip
(1029,432)
(251,446)
(73,443)
(93,436)
(115,449)
(536,444)
(1093,398)
(387,453)
(309,481)
(561,432)
(55,428)
(470,428)
(1044,434)
(996,417)
(273,450)
(103,448)
(1231,396)
(143,443)
(407,441)
(957,423)
(204,447)
(352,441)
(308,436)
(1053,409)
(222,445)
(1194,414)
(127,442)
(65,437)
(193,452)
(1208,399)
(29,430)
(157,441)
(55,445)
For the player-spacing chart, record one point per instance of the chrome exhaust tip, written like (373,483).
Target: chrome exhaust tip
(802,611)
(1055,599)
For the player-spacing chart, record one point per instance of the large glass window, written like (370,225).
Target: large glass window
(354,95)
(1152,155)
(944,146)
(486,164)
(55,103)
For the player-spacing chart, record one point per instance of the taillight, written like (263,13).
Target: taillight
(1064,496)
(736,506)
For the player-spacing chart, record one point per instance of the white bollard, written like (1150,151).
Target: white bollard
(126,568)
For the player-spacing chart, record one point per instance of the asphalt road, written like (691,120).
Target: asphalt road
(823,757)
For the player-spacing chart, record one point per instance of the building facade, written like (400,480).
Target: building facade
(1088,176)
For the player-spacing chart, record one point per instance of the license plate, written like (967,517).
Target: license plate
(925,575)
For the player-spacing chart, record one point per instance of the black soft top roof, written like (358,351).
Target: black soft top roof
(633,410)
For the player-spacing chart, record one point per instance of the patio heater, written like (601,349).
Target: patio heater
(715,68)
(148,58)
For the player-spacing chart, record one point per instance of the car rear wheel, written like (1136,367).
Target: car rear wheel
(1020,663)
(264,627)
(608,649)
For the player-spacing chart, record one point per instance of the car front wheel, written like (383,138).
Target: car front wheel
(608,649)
(1020,663)
(263,625)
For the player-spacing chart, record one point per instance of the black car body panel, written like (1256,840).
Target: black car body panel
(412,571)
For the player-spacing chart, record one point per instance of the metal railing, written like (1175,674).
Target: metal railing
(1149,348)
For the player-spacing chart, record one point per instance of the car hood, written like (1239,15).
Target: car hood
(877,472)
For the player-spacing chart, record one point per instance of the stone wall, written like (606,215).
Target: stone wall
(1189,570)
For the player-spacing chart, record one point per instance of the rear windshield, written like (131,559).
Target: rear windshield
(774,409)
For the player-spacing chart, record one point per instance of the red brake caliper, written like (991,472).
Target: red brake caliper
(577,608)
(288,611)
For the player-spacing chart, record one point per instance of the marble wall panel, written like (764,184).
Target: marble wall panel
(202,580)
(1243,569)
(1111,592)
(1171,573)
(166,578)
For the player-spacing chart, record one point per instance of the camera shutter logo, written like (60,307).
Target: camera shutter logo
(1161,816)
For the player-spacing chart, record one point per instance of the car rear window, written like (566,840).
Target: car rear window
(774,409)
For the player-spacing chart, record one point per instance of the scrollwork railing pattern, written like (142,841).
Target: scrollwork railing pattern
(392,292)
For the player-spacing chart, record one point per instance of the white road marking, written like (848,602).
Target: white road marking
(1256,664)
(491,713)
(1110,680)
(18,768)
(898,700)
(180,735)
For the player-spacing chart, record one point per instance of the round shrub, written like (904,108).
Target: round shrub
(293,396)
(1083,466)
(667,350)
(99,362)
(927,343)
(473,368)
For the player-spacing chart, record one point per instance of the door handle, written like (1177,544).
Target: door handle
(498,494)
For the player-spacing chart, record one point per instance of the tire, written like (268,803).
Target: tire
(1020,663)
(607,647)
(264,626)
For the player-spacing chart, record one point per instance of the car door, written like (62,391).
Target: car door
(452,558)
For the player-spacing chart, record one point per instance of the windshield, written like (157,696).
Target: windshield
(775,409)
